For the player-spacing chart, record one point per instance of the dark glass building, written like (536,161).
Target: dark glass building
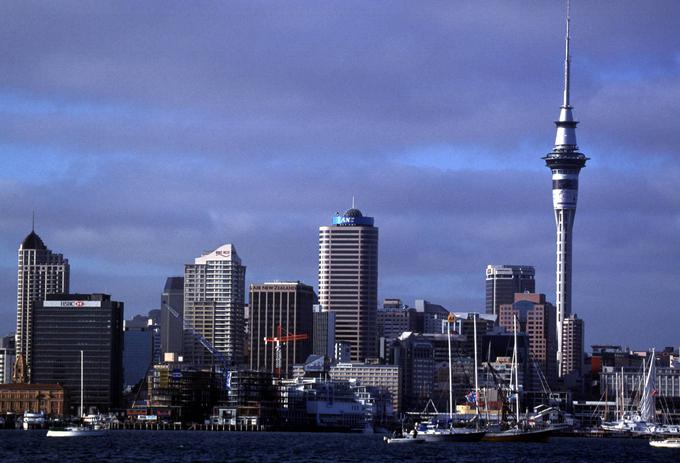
(66,324)
(285,304)
(503,281)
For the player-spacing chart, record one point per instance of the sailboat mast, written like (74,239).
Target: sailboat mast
(449,320)
(82,395)
(474,325)
(516,365)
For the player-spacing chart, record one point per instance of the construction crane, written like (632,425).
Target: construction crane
(281,339)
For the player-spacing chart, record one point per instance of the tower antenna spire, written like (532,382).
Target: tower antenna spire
(33,221)
(352,201)
(567,58)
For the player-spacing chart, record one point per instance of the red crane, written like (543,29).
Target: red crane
(281,339)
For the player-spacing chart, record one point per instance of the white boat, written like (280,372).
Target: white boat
(32,420)
(77,431)
(92,425)
(670,443)
(403,440)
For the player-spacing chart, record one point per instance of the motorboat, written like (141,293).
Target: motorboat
(669,443)
(77,431)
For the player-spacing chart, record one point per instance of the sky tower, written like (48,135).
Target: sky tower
(565,161)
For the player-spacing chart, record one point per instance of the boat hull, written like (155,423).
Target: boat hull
(539,435)
(403,440)
(454,436)
(666,443)
(76,432)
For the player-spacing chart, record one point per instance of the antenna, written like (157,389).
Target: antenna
(352,201)
(567,58)
(33,222)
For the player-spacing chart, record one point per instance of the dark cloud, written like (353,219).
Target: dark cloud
(146,133)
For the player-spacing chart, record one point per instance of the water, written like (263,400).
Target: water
(188,446)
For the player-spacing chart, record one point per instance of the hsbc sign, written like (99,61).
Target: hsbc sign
(74,304)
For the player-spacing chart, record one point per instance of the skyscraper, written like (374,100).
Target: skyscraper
(348,280)
(41,272)
(214,296)
(287,305)
(503,281)
(66,324)
(565,162)
(172,315)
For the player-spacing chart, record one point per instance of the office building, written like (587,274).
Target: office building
(172,316)
(138,353)
(537,319)
(573,353)
(214,296)
(503,281)
(66,324)
(387,377)
(324,332)
(431,317)
(280,310)
(394,318)
(565,162)
(348,280)
(7,358)
(41,272)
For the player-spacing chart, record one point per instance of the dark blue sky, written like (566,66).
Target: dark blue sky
(146,132)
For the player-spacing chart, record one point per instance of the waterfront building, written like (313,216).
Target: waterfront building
(182,392)
(66,324)
(40,272)
(214,297)
(172,316)
(565,162)
(430,317)
(387,377)
(537,319)
(348,280)
(324,332)
(280,309)
(49,399)
(503,281)
(424,362)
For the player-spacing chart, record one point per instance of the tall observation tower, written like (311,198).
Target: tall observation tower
(565,162)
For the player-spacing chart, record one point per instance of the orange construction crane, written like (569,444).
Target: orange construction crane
(280,339)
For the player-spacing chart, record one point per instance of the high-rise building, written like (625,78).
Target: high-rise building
(41,272)
(66,324)
(280,309)
(324,332)
(172,316)
(348,280)
(503,281)
(536,318)
(138,353)
(214,295)
(7,358)
(394,318)
(572,355)
(431,317)
(565,162)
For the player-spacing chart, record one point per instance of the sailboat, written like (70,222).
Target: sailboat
(80,430)
(521,431)
(435,431)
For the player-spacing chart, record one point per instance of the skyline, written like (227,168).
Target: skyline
(162,133)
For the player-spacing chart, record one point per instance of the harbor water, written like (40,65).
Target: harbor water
(202,446)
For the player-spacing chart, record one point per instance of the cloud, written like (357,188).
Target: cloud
(145,134)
